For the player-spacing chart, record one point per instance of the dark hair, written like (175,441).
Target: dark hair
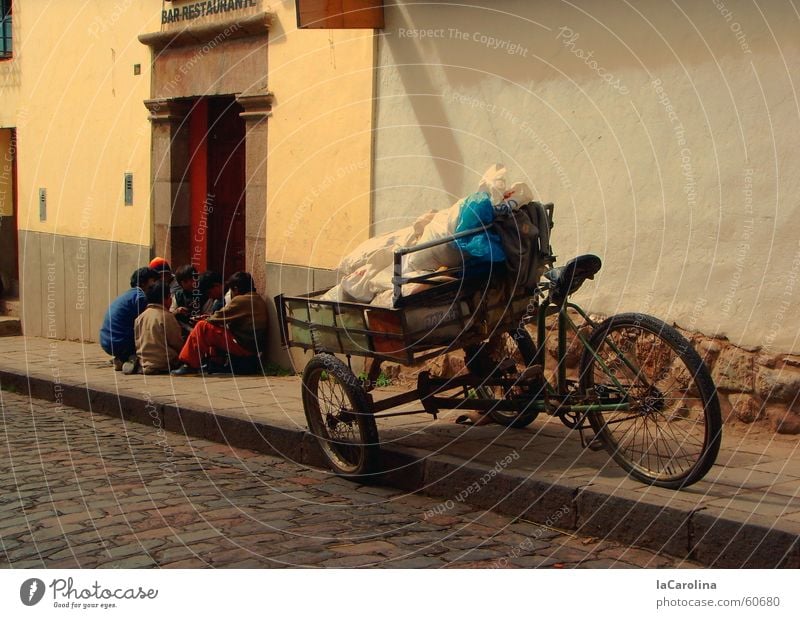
(208,280)
(184,273)
(158,294)
(243,282)
(141,275)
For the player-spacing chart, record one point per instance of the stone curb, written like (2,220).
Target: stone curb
(713,539)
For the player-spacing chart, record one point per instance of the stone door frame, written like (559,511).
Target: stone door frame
(173,88)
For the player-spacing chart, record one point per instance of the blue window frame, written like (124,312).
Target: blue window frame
(5,29)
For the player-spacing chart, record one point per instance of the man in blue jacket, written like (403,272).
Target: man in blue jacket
(116,334)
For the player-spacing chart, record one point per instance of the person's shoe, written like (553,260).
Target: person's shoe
(117,364)
(184,370)
(129,366)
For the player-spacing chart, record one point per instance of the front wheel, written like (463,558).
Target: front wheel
(339,416)
(667,427)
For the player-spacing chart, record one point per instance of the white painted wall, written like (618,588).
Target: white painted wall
(693,208)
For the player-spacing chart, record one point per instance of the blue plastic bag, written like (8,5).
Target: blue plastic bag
(483,247)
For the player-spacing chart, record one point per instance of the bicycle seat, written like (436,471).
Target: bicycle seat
(568,278)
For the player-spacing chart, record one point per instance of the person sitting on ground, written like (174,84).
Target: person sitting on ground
(116,334)
(162,267)
(210,287)
(185,297)
(158,335)
(236,330)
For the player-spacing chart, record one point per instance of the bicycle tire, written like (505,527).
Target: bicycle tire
(338,413)
(668,438)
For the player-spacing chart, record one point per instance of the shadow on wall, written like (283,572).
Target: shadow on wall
(415,73)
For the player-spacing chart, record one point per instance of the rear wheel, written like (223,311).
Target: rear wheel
(670,433)
(514,352)
(338,413)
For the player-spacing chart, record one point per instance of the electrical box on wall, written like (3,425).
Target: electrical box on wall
(42,204)
(333,14)
(128,189)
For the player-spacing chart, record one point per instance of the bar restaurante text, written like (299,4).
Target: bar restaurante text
(201,9)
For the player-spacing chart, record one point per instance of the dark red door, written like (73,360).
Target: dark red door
(226,186)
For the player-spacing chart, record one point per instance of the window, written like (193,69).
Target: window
(5,29)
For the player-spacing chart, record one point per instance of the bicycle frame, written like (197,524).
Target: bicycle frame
(556,400)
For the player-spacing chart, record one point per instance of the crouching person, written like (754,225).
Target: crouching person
(158,334)
(236,330)
(117,337)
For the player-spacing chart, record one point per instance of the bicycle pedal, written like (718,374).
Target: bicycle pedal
(595,444)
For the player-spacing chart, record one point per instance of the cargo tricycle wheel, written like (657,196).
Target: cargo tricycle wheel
(339,416)
(667,431)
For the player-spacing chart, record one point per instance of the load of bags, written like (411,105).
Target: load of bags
(366,273)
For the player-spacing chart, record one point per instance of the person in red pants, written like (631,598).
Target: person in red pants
(238,329)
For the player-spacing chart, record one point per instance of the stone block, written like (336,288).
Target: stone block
(102,282)
(285,279)
(78,291)
(723,539)
(129,258)
(733,370)
(709,350)
(403,468)
(778,385)
(30,260)
(784,421)
(632,518)
(745,408)
(10,326)
(324,278)
(54,323)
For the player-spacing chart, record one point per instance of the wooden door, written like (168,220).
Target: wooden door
(226,186)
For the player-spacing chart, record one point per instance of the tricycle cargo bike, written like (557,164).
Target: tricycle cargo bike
(640,390)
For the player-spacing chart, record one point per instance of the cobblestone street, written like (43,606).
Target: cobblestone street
(81,490)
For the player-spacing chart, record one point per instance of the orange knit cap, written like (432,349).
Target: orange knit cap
(160,265)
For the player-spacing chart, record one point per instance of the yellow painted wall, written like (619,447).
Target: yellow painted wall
(83,122)
(319,162)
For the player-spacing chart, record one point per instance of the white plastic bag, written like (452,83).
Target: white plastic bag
(442,224)
(377,251)
(494,183)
